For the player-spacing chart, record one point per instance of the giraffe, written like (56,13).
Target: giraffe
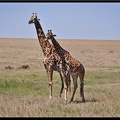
(50,58)
(69,66)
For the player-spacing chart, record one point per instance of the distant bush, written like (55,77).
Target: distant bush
(24,67)
(111,51)
(9,67)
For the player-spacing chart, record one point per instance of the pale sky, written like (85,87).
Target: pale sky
(89,20)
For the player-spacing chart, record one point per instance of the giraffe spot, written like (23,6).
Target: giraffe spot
(39,34)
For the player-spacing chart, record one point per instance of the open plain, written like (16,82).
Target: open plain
(24,86)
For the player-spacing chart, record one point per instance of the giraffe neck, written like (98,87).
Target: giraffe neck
(57,47)
(59,50)
(42,38)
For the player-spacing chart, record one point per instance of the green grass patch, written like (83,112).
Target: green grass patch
(23,83)
(102,77)
(25,93)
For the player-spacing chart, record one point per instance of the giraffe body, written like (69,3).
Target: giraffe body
(49,53)
(69,66)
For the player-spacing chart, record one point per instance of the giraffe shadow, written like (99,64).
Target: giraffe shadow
(90,100)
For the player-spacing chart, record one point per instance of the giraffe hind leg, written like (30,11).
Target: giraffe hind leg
(75,87)
(69,84)
(82,87)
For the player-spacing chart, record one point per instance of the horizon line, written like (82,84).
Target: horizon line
(59,38)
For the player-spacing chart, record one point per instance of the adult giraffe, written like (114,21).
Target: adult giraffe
(50,58)
(69,66)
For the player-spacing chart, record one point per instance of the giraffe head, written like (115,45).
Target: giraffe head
(33,18)
(50,34)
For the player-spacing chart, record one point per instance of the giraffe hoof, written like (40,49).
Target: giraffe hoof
(60,94)
(50,97)
(71,101)
(65,102)
(83,100)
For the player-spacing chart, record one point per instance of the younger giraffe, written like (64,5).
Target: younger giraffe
(50,56)
(69,66)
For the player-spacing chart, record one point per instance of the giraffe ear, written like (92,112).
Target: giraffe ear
(54,35)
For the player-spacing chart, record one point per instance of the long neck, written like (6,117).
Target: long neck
(41,37)
(39,30)
(60,51)
(57,46)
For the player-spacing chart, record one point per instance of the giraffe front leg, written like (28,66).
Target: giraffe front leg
(49,72)
(65,96)
(50,75)
(65,86)
(62,85)
(50,85)
(50,89)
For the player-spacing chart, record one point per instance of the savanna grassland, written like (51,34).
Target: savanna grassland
(24,90)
